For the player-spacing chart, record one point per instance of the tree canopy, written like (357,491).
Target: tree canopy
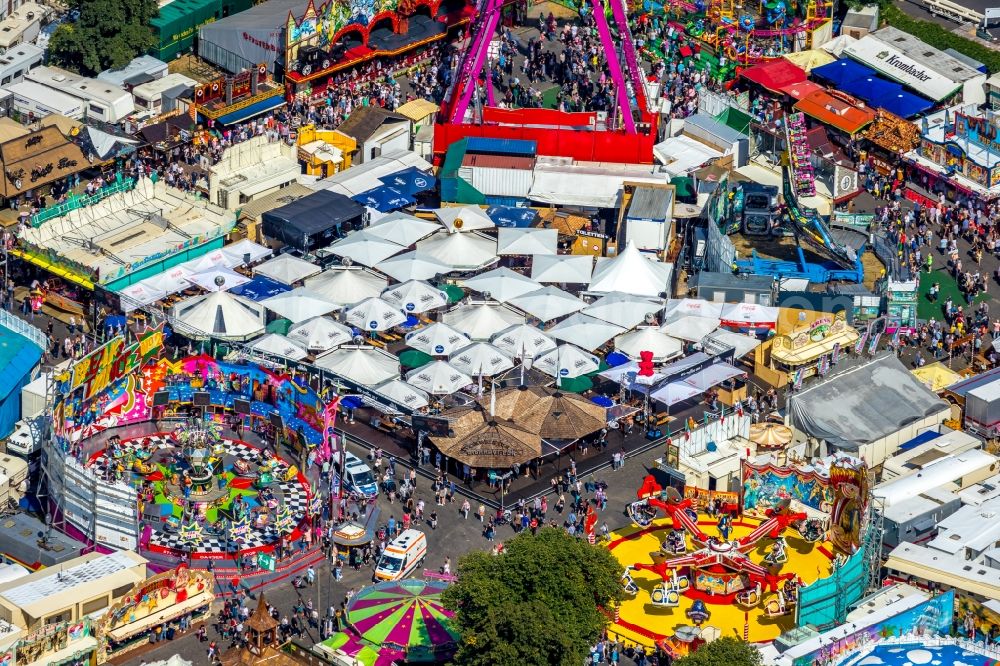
(108,33)
(728,650)
(538,603)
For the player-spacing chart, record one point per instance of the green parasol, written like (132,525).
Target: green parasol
(576,384)
(454,292)
(601,367)
(406,616)
(279,326)
(414,358)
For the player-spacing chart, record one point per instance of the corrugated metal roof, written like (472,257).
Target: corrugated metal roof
(498,162)
(482,144)
(651,203)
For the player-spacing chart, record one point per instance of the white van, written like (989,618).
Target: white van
(402,556)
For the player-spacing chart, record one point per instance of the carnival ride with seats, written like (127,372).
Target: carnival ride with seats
(753,566)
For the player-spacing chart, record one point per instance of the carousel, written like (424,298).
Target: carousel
(204,494)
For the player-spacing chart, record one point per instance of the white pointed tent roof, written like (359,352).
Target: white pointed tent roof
(530,241)
(401,228)
(649,338)
(480,321)
(221,315)
(463,218)
(287,268)
(437,339)
(438,378)
(415,265)
(585,331)
(300,304)
(548,303)
(523,340)
(239,250)
(279,345)
(569,268)
(405,394)
(502,284)
(631,272)
(362,365)
(480,358)
(467,251)
(320,333)
(365,248)
(347,285)
(623,309)
(415,296)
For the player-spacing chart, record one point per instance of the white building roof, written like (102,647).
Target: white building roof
(949,442)
(363,177)
(934,565)
(981,492)
(919,505)
(922,52)
(681,155)
(942,471)
(253,167)
(154,89)
(563,181)
(971,527)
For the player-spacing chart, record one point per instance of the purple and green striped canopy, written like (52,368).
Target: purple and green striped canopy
(405,615)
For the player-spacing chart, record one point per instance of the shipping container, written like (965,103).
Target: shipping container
(178,23)
(492,146)
(982,409)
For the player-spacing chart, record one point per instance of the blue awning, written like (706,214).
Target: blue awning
(251,111)
(411,180)
(260,288)
(510,216)
(842,71)
(922,438)
(384,198)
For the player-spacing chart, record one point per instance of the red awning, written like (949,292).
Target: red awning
(800,89)
(836,110)
(775,75)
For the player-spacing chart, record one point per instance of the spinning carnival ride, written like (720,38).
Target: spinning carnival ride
(726,580)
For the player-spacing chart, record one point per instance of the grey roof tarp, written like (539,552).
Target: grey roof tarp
(863,405)
(307,223)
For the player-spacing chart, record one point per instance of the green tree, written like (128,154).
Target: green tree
(538,603)
(109,33)
(728,651)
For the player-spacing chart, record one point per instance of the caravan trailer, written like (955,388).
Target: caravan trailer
(31,99)
(103,101)
(23,25)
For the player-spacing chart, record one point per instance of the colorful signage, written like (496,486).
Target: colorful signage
(111,362)
(978,130)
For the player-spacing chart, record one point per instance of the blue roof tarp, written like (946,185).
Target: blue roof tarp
(384,198)
(411,180)
(251,111)
(18,358)
(838,73)
(510,216)
(259,288)
(903,103)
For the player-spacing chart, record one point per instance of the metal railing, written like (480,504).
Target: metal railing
(21,327)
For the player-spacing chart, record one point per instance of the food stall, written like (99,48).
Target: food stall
(807,348)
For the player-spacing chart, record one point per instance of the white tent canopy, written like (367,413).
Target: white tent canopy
(437,339)
(465,251)
(402,393)
(219,278)
(742,344)
(374,314)
(743,315)
(213,259)
(287,268)
(220,315)
(693,307)
(279,345)
(523,341)
(463,218)
(502,284)
(695,384)
(567,362)
(619,374)
(548,303)
(300,304)
(364,247)
(690,327)
(527,241)
(140,294)
(170,281)
(239,250)
(623,309)
(320,333)
(438,378)
(415,265)
(402,229)
(480,358)
(481,321)
(631,272)
(415,296)
(649,339)
(562,268)
(363,365)
(587,332)
(347,285)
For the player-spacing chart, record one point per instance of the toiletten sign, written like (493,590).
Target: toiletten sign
(886,60)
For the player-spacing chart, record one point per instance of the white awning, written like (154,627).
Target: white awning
(883,58)
(596,186)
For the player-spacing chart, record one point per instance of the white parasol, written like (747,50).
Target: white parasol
(548,303)
(415,265)
(480,321)
(460,251)
(287,268)
(402,393)
(649,338)
(438,378)
(365,248)
(279,345)
(480,358)
(624,310)
(218,279)
(347,285)
(437,339)
(415,296)
(320,333)
(363,365)
(374,314)
(523,341)
(690,327)
(587,332)
(502,284)
(463,218)
(567,362)
(300,304)
(562,268)
(402,229)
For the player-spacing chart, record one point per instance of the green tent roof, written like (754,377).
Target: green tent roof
(736,119)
